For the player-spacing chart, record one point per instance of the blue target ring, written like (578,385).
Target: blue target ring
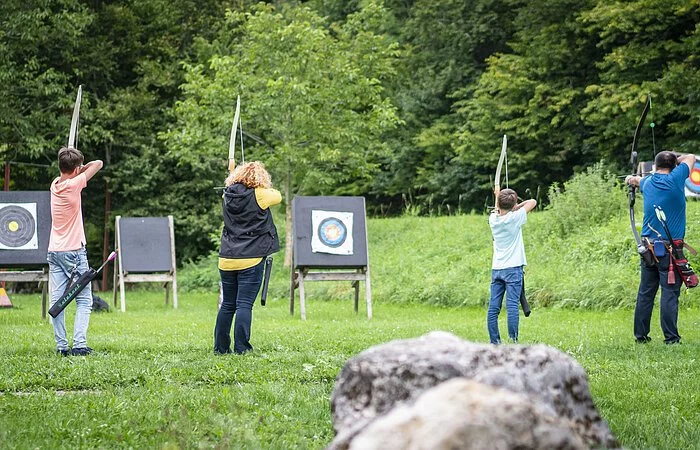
(692,183)
(332,232)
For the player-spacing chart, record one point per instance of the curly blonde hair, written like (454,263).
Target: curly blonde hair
(252,175)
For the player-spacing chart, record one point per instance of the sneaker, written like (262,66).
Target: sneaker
(677,341)
(643,340)
(81,351)
(65,352)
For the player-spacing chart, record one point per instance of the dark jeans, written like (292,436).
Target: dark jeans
(651,278)
(240,288)
(509,282)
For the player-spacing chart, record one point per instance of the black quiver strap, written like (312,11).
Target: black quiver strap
(75,286)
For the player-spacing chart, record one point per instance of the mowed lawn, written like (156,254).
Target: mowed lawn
(153,381)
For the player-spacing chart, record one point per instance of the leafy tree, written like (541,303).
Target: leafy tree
(312,100)
(651,47)
(38,44)
(535,95)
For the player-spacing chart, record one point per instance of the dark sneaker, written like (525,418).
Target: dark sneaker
(677,341)
(63,352)
(644,340)
(81,351)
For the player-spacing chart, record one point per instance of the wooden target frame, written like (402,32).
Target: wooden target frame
(132,267)
(31,250)
(345,256)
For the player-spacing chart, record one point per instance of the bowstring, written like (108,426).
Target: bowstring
(506,161)
(240,125)
(651,125)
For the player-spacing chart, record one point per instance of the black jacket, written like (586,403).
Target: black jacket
(249,231)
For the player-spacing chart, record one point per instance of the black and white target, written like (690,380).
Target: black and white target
(18,226)
(332,232)
(692,184)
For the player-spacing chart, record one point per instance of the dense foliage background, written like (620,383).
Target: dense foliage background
(403,102)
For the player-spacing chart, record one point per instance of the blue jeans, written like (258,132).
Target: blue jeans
(240,288)
(61,264)
(510,282)
(652,278)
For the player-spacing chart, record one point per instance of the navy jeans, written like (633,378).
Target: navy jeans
(651,278)
(240,287)
(510,282)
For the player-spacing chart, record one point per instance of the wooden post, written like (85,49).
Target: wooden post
(121,271)
(44,291)
(292,285)
(174,271)
(302,301)
(356,286)
(105,238)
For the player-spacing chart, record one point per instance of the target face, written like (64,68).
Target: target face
(18,226)
(332,232)
(692,184)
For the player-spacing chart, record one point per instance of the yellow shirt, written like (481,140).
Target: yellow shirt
(265,198)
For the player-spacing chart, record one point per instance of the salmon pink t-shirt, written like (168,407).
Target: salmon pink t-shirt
(66,214)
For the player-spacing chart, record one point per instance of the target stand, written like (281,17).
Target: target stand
(145,254)
(25,226)
(329,244)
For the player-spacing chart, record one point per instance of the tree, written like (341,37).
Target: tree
(311,96)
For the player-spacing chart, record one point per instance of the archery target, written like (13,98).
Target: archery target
(332,232)
(692,184)
(18,227)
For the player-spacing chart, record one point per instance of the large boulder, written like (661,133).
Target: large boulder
(378,379)
(464,414)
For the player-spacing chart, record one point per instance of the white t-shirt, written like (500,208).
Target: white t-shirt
(508,247)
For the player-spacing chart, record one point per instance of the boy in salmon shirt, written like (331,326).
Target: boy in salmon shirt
(67,246)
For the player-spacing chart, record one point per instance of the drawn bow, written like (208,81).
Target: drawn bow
(73,134)
(634,161)
(497,180)
(232,143)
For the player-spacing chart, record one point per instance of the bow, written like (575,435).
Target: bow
(232,142)
(634,161)
(73,135)
(497,180)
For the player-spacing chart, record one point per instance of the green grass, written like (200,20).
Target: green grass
(155,383)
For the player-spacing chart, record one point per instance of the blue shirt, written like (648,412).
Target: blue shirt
(507,230)
(667,191)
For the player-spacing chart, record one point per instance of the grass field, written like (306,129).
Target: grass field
(154,382)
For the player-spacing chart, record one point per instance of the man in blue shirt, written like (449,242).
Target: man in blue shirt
(664,188)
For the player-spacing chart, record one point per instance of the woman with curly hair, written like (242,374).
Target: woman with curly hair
(249,235)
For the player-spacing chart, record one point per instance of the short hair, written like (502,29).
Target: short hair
(507,199)
(252,175)
(69,159)
(666,160)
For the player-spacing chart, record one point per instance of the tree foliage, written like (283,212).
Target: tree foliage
(404,102)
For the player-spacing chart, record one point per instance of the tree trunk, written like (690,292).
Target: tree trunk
(288,221)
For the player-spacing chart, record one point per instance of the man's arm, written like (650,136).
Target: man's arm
(688,159)
(529,205)
(91,168)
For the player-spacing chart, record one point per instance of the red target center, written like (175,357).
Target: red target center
(695,176)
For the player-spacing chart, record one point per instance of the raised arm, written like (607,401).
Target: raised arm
(688,159)
(91,168)
(528,205)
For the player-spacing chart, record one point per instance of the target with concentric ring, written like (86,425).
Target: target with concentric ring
(18,226)
(692,184)
(332,232)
